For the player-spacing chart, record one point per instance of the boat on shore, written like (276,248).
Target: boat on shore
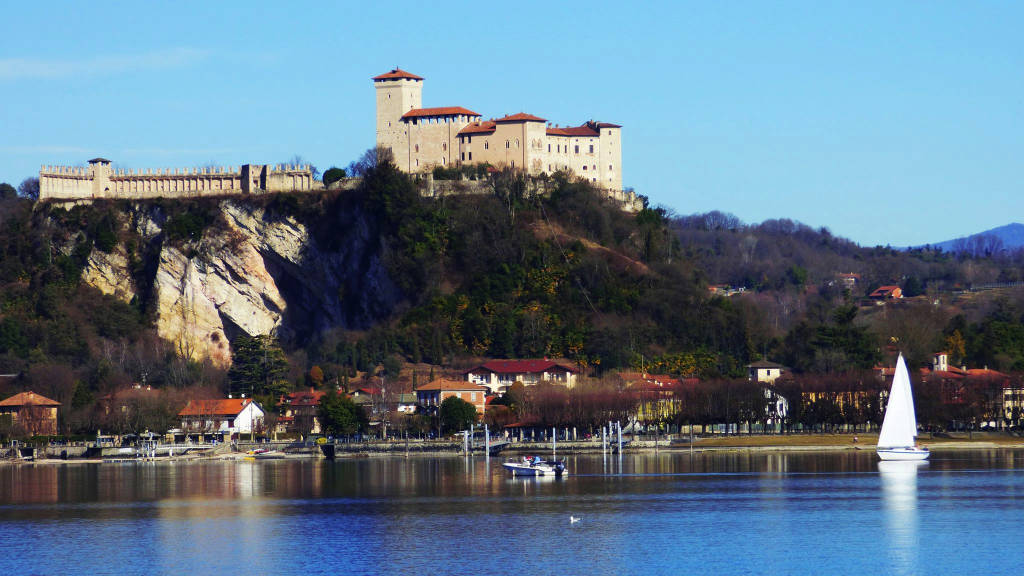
(899,426)
(536,466)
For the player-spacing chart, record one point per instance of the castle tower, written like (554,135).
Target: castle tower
(397,93)
(99,169)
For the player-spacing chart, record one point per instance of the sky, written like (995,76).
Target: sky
(889,123)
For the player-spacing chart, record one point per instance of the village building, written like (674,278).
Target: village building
(886,293)
(298,412)
(430,396)
(224,418)
(765,371)
(34,414)
(423,138)
(498,375)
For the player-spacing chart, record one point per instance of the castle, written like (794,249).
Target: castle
(422,138)
(99,180)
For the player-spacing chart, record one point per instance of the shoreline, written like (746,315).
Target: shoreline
(745,444)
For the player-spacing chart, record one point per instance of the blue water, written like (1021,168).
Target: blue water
(731,513)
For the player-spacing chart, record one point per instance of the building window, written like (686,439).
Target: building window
(513,163)
(609,167)
(463,157)
(577,148)
(549,147)
(517,143)
(444,146)
(417,162)
(591,148)
(417,148)
(584,168)
(487,145)
(506,145)
(470,156)
(443,162)
(469,139)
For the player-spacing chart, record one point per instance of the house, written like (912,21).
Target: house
(33,413)
(407,403)
(498,375)
(431,395)
(887,293)
(299,412)
(656,395)
(848,280)
(765,371)
(221,417)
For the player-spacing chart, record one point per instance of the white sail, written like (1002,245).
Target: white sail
(899,427)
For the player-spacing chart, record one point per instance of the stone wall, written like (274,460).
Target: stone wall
(99,180)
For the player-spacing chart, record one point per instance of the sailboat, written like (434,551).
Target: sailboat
(899,427)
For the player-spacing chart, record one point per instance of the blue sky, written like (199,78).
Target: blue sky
(888,123)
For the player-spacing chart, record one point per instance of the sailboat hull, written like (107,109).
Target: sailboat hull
(903,453)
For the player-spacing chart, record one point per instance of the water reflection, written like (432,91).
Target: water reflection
(899,499)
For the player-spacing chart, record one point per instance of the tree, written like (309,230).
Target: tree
(457,414)
(333,174)
(340,415)
(7,191)
(29,188)
(259,367)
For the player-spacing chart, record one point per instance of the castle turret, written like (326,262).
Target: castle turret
(99,169)
(398,92)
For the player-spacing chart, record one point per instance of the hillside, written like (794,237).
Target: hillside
(162,293)
(1009,238)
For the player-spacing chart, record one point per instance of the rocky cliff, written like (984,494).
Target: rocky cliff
(251,270)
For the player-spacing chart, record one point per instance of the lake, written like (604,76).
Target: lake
(668,513)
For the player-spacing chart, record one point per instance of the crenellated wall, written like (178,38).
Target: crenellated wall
(99,180)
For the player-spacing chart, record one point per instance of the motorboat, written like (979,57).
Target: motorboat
(536,466)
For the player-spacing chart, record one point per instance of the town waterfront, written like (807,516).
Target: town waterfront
(732,512)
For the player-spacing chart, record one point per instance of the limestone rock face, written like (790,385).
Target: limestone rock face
(108,273)
(252,273)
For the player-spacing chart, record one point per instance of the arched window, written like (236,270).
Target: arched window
(443,161)
(417,148)
(444,146)
(506,144)
(517,143)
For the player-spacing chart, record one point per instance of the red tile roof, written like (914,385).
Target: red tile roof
(478,128)
(884,291)
(520,117)
(573,131)
(304,398)
(218,407)
(520,366)
(441,111)
(29,399)
(453,385)
(397,73)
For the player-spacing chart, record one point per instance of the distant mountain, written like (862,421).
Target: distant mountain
(1009,237)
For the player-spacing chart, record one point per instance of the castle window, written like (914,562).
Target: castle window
(517,143)
(463,157)
(470,156)
(469,139)
(444,146)
(486,145)
(577,148)
(506,144)
(591,148)
(417,162)
(584,168)
(443,162)
(609,167)
(417,147)
(549,147)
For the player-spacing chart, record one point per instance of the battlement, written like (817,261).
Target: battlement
(99,180)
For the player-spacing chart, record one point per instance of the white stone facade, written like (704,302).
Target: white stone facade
(422,138)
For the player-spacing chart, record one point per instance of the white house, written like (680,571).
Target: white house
(498,375)
(225,416)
